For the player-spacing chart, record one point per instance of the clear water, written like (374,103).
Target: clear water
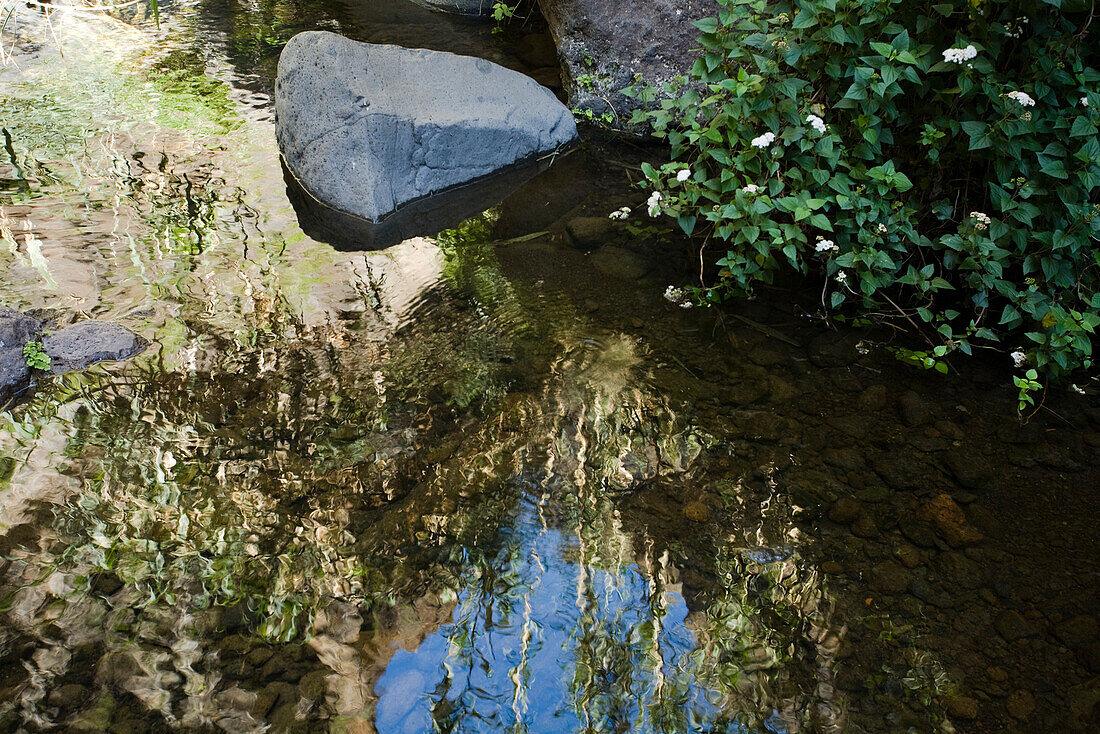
(488,480)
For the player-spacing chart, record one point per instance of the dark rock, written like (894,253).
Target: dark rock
(80,345)
(949,521)
(460,7)
(1011,625)
(925,592)
(830,349)
(1083,704)
(865,527)
(277,693)
(959,570)
(603,44)
(68,696)
(1077,631)
(890,578)
(844,511)
(917,532)
(873,399)
(1089,656)
(759,425)
(15,331)
(1020,704)
(904,471)
(969,469)
(589,232)
(907,555)
(367,128)
(913,410)
(962,707)
(618,262)
(259,656)
(846,459)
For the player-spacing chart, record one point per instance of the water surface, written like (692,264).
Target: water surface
(486,480)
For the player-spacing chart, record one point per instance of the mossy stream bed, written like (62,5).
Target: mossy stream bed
(488,480)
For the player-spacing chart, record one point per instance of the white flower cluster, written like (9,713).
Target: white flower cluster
(841,277)
(763,141)
(1015,28)
(981,220)
(816,123)
(1019,358)
(960,55)
(1022,98)
(1084,101)
(653,203)
(683,174)
(750,189)
(621,213)
(678,296)
(882,228)
(825,246)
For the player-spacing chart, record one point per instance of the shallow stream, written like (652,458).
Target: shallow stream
(488,480)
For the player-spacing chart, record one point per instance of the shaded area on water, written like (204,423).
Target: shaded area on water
(483,486)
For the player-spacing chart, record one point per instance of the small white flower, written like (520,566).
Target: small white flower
(620,213)
(1077,389)
(678,296)
(653,203)
(881,228)
(981,220)
(763,141)
(825,246)
(816,123)
(1022,98)
(683,174)
(1084,101)
(841,277)
(960,55)
(1018,358)
(750,189)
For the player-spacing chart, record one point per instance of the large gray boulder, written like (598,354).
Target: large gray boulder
(602,44)
(15,331)
(367,128)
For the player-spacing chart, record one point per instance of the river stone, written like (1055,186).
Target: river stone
(962,707)
(845,511)
(80,345)
(461,7)
(15,331)
(950,521)
(366,128)
(1020,704)
(603,44)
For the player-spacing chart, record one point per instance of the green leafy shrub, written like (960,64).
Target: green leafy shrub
(937,162)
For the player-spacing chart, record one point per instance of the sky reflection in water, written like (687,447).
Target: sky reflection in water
(544,641)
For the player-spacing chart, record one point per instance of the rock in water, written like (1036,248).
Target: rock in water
(602,44)
(461,7)
(367,128)
(77,346)
(15,331)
